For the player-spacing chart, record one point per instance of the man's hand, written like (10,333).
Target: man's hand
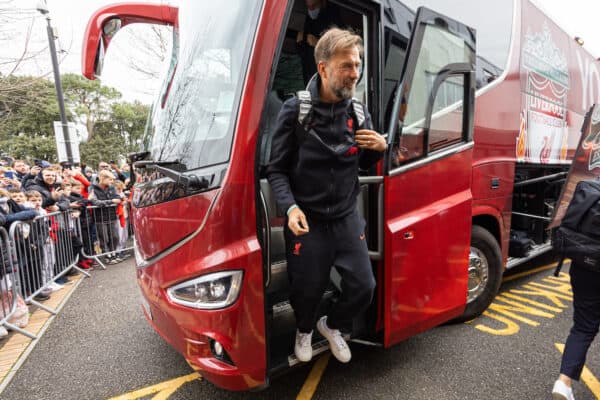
(371,140)
(116,201)
(299,37)
(56,193)
(297,222)
(35,170)
(311,40)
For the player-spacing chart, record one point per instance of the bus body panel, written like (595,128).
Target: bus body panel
(162,225)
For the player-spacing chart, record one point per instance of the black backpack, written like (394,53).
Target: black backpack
(578,236)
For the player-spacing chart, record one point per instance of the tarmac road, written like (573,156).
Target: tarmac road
(100,347)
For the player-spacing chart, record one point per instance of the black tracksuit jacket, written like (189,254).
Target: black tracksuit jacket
(318,171)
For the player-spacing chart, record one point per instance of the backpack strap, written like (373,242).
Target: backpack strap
(305,109)
(359,112)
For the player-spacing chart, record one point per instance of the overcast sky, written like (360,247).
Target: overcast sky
(577,17)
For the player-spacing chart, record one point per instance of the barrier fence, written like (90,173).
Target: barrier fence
(46,248)
(36,253)
(8,288)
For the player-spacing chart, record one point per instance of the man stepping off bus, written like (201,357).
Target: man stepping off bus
(321,139)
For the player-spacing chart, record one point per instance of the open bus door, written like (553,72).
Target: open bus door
(427,182)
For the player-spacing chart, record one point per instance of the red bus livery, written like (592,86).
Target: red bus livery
(481,117)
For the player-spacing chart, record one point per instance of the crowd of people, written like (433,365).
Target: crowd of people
(89,207)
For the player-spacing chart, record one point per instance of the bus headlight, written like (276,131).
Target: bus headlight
(208,292)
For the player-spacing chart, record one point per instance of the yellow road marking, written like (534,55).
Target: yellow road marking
(530,272)
(162,390)
(586,375)
(510,329)
(310,385)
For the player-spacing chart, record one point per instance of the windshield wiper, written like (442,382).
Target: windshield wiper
(187,181)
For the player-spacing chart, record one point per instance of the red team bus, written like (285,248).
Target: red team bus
(482,118)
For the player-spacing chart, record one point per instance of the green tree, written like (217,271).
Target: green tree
(118,135)
(28,108)
(89,101)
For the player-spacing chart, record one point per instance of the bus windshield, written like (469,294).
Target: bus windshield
(193,119)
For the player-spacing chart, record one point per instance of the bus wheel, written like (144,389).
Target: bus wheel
(485,273)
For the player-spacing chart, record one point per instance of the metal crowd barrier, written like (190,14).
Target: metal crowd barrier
(8,285)
(46,249)
(105,232)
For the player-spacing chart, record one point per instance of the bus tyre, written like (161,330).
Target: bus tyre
(485,273)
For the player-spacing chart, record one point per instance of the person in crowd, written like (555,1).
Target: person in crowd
(12,211)
(45,183)
(21,169)
(68,234)
(6,160)
(8,179)
(31,175)
(85,224)
(113,168)
(28,248)
(121,223)
(43,230)
(320,16)
(315,180)
(20,315)
(105,197)
(18,196)
(57,168)
(88,173)
(125,172)
(75,174)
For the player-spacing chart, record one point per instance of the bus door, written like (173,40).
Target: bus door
(427,179)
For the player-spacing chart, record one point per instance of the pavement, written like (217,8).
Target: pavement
(15,348)
(100,347)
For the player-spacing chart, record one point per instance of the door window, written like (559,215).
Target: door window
(427,95)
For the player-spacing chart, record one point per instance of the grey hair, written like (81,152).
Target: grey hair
(334,40)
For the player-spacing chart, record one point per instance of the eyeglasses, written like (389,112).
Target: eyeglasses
(104,166)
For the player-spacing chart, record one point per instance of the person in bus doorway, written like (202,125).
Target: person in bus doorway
(320,16)
(586,321)
(314,174)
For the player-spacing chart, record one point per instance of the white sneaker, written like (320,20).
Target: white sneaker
(55,286)
(3,332)
(303,346)
(561,391)
(338,345)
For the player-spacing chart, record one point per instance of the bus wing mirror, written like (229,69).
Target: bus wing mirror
(107,21)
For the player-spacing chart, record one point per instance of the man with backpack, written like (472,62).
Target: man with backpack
(321,139)
(578,238)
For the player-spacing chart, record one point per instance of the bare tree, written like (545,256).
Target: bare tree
(10,17)
(144,48)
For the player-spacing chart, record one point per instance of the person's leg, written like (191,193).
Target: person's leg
(103,237)
(309,260)
(353,263)
(586,321)
(114,236)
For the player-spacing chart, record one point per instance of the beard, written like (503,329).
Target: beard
(344,90)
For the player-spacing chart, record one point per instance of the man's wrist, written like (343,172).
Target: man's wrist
(289,210)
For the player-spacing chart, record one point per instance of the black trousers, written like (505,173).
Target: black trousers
(586,320)
(341,244)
